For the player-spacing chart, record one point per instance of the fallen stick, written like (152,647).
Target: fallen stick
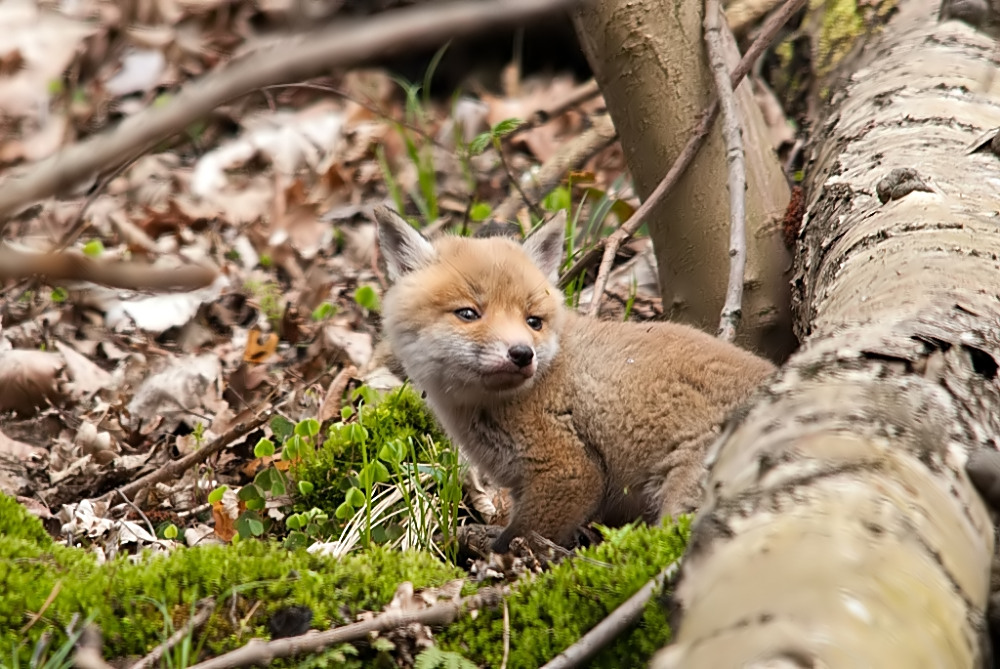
(608,247)
(732,133)
(176,467)
(611,627)
(264,652)
(54,268)
(304,57)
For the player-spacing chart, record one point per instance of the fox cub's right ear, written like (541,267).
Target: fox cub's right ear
(402,246)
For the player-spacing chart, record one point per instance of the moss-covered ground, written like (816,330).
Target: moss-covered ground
(126,597)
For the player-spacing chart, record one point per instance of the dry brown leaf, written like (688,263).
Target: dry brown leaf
(86,377)
(260,346)
(297,220)
(178,391)
(225,513)
(29,379)
(343,343)
(18,449)
(46,42)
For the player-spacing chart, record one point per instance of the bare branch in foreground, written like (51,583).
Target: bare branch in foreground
(732,133)
(264,652)
(611,627)
(607,249)
(304,57)
(53,267)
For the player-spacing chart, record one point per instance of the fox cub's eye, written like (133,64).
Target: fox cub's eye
(534,322)
(468,315)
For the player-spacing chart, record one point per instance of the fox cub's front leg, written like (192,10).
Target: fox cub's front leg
(560,491)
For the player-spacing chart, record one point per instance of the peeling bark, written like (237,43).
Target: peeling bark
(840,528)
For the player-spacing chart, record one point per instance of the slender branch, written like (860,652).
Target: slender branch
(574,98)
(570,156)
(176,467)
(516,183)
(345,44)
(612,627)
(606,250)
(53,267)
(732,133)
(263,653)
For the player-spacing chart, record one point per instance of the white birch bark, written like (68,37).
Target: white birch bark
(840,528)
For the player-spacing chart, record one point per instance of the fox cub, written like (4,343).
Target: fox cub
(583,420)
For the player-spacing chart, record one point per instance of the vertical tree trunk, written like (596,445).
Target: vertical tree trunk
(649,59)
(840,528)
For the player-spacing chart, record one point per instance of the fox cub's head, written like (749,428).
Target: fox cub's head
(475,319)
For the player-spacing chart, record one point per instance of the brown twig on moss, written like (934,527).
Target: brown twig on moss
(437,615)
(605,250)
(612,627)
(732,133)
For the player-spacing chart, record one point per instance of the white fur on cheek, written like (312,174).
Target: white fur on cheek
(546,352)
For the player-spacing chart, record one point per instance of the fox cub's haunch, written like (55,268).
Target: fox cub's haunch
(583,420)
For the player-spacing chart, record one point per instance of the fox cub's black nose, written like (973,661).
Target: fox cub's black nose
(521,355)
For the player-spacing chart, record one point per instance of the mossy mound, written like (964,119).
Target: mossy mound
(124,596)
(552,611)
(127,597)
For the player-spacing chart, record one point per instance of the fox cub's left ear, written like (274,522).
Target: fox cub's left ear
(545,245)
(402,246)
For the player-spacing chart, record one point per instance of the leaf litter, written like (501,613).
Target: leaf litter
(100,386)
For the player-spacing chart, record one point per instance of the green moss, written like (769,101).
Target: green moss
(16,522)
(552,611)
(843,23)
(123,595)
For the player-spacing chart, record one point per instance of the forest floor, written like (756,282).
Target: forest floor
(134,417)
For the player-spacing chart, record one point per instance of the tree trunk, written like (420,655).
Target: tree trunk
(649,58)
(840,528)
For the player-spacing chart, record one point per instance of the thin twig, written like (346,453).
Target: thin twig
(506,635)
(570,156)
(345,44)
(78,223)
(204,609)
(263,653)
(177,467)
(607,248)
(585,91)
(732,133)
(45,605)
(367,106)
(516,183)
(152,530)
(611,627)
